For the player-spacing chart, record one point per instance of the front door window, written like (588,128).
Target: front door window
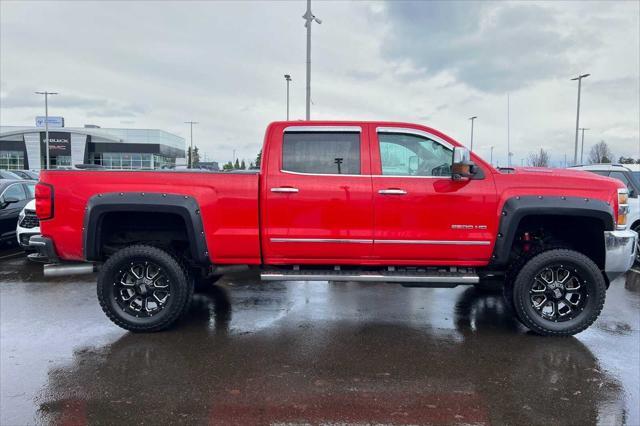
(410,155)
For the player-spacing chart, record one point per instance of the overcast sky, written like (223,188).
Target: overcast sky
(157,64)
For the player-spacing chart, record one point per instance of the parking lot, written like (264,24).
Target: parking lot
(310,353)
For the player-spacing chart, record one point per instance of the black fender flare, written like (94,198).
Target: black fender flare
(517,208)
(184,206)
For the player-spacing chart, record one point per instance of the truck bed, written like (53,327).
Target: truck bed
(228,204)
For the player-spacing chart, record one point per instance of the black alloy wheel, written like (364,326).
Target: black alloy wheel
(144,288)
(559,292)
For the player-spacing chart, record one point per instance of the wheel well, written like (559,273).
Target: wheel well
(581,233)
(123,228)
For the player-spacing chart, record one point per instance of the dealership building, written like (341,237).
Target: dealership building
(25,147)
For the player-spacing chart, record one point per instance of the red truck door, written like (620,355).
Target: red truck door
(422,216)
(317,196)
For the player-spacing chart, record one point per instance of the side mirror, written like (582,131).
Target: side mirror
(462,167)
(8,200)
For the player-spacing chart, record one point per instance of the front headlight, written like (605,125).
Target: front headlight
(623,208)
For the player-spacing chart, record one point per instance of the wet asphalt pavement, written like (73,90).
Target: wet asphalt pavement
(309,353)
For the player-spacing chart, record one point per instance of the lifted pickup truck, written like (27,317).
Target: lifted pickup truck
(342,201)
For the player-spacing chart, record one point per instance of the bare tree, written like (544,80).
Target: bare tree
(539,159)
(600,153)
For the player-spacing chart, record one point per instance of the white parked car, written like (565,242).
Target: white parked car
(630,177)
(28,224)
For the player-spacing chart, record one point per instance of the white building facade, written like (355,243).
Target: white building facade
(25,148)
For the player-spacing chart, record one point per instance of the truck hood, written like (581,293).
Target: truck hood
(563,182)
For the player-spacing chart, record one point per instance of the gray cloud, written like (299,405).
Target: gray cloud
(97,107)
(615,88)
(491,47)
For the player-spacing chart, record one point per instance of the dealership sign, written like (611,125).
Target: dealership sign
(51,121)
(59,143)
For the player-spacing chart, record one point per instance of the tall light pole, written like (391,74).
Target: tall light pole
(46,123)
(288,78)
(309,18)
(472,120)
(575,148)
(582,144)
(191,123)
(491,158)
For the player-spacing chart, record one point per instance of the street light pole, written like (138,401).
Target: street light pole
(288,78)
(191,123)
(575,148)
(46,123)
(582,144)
(309,18)
(491,158)
(472,120)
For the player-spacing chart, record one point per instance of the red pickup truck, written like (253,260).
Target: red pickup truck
(342,201)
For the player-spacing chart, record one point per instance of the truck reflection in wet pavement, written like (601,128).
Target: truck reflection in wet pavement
(345,371)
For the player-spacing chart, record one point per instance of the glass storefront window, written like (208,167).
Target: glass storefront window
(11,160)
(163,162)
(56,161)
(126,161)
(146,162)
(134,161)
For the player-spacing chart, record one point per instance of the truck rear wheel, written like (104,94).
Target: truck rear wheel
(558,293)
(143,288)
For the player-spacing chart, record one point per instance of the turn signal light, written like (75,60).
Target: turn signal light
(623,208)
(44,201)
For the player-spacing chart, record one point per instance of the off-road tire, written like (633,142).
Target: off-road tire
(510,278)
(584,267)
(516,266)
(181,288)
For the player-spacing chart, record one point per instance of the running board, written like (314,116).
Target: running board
(408,279)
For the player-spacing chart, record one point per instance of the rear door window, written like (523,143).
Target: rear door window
(321,152)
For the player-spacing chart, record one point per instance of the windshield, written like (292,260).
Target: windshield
(5,174)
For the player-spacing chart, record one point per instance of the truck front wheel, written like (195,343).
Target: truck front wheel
(558,293)
(143,288)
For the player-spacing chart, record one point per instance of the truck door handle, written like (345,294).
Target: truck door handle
(392,191)
(288,189)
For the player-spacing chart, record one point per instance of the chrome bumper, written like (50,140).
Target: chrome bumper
(620,252)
